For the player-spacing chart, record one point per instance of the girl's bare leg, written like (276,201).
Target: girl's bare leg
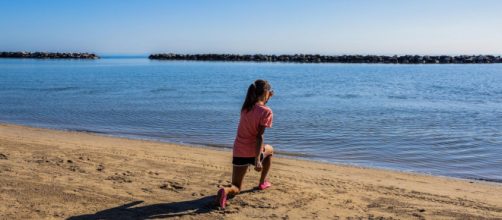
(267,162)
(238,174)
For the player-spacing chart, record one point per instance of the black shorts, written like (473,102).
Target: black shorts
(241,161)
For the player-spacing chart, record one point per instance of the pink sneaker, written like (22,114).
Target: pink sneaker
(222,198)
(264,185)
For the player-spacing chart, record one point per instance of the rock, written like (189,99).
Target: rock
(3,156)
(316,58)
(45,55)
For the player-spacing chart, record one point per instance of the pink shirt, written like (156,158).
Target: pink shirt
(245,141)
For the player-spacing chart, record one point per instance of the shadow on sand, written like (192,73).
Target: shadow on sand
(162,210)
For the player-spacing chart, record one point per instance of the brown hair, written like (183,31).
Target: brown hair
(255,91)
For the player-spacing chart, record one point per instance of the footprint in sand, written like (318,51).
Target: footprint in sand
(172,186)
(100,168)
(153,173)
(120,178)
(147,190)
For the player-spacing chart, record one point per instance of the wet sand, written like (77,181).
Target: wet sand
(50,174)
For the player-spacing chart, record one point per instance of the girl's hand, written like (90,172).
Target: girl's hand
(258,166)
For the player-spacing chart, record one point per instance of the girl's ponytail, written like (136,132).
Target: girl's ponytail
(250,98)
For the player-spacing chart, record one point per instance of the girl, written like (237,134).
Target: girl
(248,146)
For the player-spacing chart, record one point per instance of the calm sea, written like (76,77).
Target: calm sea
(436,119)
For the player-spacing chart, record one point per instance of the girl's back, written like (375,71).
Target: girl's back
(245,141)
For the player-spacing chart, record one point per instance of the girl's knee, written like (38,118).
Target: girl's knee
(269,149)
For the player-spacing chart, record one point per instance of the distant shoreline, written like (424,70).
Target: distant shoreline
(316,58)
(48,55)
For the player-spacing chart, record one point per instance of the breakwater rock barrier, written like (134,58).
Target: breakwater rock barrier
(48,55)
(315,58)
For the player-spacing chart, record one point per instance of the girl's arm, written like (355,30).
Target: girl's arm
(259,147)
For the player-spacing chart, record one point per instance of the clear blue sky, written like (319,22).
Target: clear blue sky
(257,26)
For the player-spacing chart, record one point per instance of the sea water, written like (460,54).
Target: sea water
(436,119)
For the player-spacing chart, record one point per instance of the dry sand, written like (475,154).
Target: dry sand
(49,174)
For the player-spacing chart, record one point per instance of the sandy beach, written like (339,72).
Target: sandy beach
(50,174)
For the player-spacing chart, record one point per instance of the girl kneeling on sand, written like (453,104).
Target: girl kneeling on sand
(248,146)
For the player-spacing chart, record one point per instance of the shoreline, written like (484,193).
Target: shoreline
(58,174)
(282,154)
